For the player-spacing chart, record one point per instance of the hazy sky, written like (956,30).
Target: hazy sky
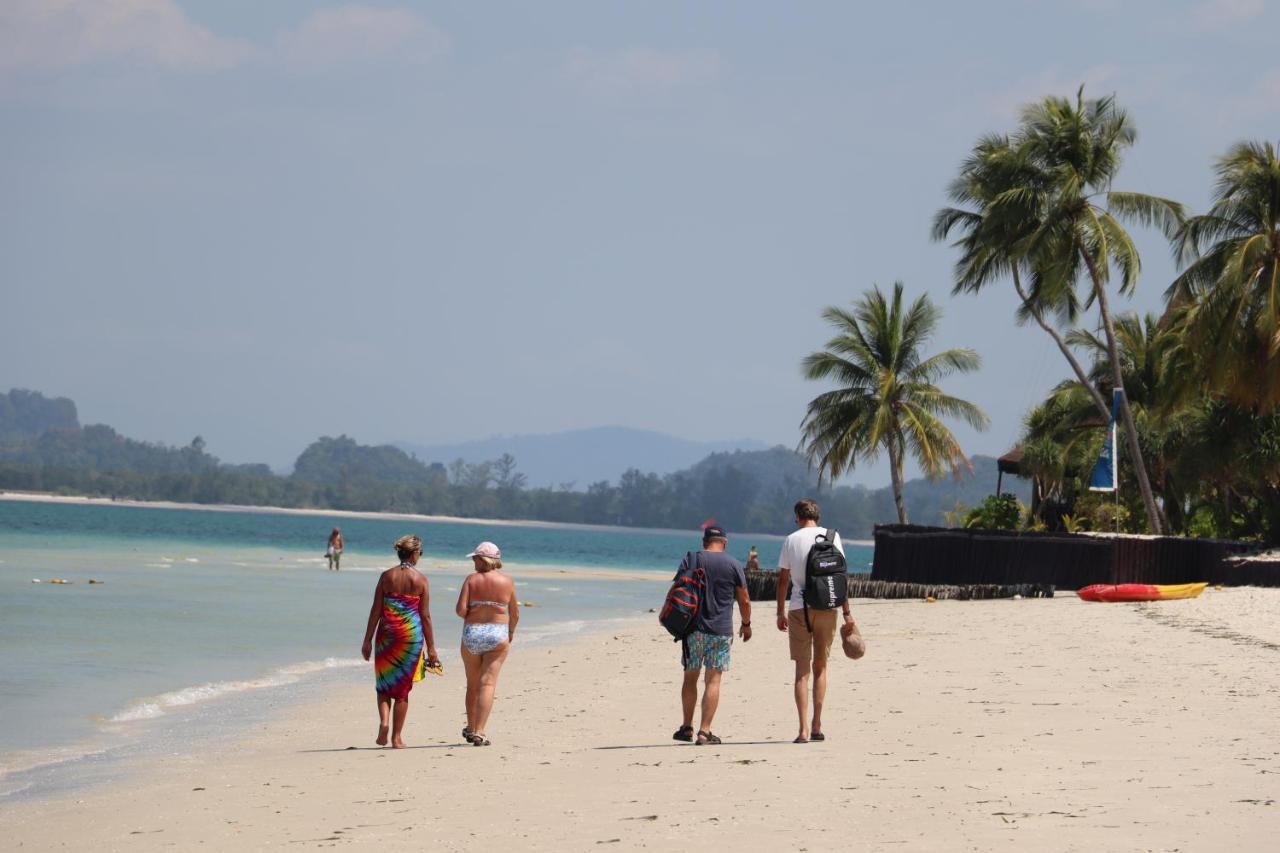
(264,222)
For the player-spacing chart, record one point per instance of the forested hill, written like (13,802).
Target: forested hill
(29,414)
(44,448)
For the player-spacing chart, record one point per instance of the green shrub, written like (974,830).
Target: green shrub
(996,512)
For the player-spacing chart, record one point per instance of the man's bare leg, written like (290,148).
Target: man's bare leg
(689,695)
(398,714)
(819,694)
(710,699)
(802,696)
(384,719)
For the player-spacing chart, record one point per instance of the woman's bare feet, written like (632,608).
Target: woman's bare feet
(382,735)
(397,743)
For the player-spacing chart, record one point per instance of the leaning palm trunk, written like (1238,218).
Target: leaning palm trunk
(1081,376)
(895,474)
(1126,414)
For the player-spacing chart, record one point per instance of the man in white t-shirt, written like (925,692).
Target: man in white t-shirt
(810,644)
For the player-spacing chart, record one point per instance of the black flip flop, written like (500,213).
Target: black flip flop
(817,736)
(684,733)
(800,740)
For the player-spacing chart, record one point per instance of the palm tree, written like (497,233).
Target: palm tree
(1078,146)
(999,188)
(886,399)
(1230,291)
(1154,360)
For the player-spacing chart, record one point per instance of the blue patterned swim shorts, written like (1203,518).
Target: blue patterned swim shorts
(709,650)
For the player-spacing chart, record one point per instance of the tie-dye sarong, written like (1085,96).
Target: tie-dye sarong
(399,646)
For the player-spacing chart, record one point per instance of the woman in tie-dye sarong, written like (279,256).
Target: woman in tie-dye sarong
(402,619)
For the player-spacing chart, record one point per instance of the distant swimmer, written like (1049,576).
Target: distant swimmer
(753,560)
(401,615)
(489,609)
(334,551)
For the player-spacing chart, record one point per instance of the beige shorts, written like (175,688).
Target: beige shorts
(809,645)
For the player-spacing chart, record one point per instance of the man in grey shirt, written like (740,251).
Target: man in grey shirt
(708,646)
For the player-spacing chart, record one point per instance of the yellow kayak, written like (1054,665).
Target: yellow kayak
(1140,591)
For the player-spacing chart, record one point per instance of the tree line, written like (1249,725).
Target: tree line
(744,490)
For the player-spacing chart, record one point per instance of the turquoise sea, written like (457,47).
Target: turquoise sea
(209,619)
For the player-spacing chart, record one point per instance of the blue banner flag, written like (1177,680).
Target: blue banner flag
(1106,473)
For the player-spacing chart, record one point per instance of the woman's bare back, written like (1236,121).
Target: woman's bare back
(402,580)
(490,586)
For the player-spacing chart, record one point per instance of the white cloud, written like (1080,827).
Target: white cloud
(1220,14)
(352,34)
(51,35)
(641,69)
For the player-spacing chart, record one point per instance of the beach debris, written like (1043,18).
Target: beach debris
(61,581)
(37,580)
(95,580)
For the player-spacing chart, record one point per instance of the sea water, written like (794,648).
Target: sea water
(208,619)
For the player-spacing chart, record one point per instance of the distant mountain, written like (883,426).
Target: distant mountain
(582,456)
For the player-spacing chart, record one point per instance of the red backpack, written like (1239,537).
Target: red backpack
(680,610)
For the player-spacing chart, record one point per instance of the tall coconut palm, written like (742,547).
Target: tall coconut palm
(1078,145)
(1230,290)
(1000,189)
(886,399)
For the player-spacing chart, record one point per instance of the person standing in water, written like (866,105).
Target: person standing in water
(334,551)
(753,560)
(401,614)
(489,611)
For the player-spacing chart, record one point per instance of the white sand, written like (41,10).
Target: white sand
(1006,725)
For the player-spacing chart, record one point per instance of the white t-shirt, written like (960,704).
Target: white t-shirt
(795,553)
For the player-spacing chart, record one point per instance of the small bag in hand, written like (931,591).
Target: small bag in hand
(851,638)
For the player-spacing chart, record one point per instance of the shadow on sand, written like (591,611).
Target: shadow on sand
(381,748)
(678,745)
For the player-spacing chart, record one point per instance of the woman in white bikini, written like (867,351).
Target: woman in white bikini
(489,611)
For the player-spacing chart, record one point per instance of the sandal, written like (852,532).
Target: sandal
(684,733)
(479,740)
(467,733)
(800,739)
(817,736)
(707,738)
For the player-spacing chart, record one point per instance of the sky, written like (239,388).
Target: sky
(265,222)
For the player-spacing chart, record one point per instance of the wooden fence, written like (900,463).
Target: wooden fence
(959,556)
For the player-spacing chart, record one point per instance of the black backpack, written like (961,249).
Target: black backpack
(680,610)
(826,576)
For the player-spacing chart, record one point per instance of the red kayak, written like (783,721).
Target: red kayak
(1140,591)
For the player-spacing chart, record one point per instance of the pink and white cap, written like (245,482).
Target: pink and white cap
(486,549)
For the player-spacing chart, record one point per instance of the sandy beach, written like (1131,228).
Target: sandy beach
(1036,724)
